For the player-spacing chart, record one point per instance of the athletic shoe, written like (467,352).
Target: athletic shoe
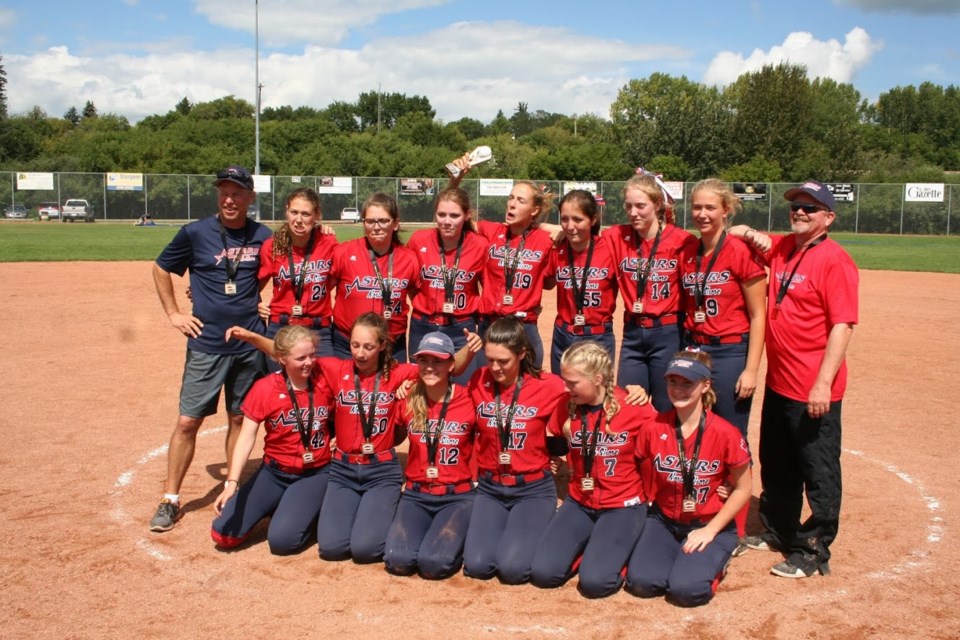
(741,548)
(765,541)
(165,517)
(801,565)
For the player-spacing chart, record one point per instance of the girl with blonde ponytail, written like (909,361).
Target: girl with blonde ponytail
(601,518)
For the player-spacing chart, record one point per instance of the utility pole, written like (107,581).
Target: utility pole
(378,107)
(256,32)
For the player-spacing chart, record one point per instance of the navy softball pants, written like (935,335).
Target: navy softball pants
(728,363)
(659,566)
(562,339)
(604,537)
(420,328)
(505,527)
(644,356)
(427,534)
(292,500)
(358,509)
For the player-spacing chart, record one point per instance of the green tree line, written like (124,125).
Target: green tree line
(770,125)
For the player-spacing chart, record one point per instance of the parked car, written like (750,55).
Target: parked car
(76,209)
(48,210)
(351,214)
(15,211)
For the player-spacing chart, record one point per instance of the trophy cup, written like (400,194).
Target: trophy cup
(478,155)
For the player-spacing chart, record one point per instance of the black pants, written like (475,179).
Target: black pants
(800,454)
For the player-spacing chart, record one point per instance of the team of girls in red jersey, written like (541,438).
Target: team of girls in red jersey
(485,434)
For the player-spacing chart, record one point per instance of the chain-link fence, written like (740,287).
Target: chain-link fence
(864,208)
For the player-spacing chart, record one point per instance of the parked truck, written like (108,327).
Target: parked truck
(76,209)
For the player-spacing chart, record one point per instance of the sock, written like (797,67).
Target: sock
(172,497)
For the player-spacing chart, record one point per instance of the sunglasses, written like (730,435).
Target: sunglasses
(807,208)
(224,174)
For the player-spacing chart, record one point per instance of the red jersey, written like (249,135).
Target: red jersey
(435,263)
(600,292)
(822,293)
(723,301)
(315,298)
(454,445)
(339,374)
(268,401)
(662,292)
(615,471)
(360,289)
(529,257)
(527,446)
(722,449)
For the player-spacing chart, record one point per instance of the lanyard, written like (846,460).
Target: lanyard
(785,283)
(580,293)
(449,274)
(588,443)
(503,428)
(642,274)
(298,282)
(366,419)
(232,265)
(688,468)
(432,438)
(384,284)
(304,429)
(699,286)
(510,266)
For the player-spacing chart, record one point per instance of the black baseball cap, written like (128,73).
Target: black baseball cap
(236,174)
(816,190)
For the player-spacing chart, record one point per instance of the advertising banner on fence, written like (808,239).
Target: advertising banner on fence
(262,183)
(493,187)
(585,186)
(33,181)
(416,186)
(749,191)
(675,188)
(329,184)
(923,192)
(841,192)
(124,182)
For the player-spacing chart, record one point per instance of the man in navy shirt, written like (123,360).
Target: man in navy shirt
(222,253)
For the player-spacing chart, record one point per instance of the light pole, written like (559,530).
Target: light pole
(256,35)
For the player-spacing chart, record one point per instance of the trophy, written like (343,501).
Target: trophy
(478,155)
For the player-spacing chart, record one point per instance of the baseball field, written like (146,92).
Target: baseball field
(90,384)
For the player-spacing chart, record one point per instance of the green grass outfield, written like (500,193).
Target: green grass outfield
(105,241)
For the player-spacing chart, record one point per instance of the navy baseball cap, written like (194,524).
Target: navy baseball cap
(236,174)
(692,370)
(436,344)
(816,190)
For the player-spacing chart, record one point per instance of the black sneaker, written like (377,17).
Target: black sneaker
(801,565)
(741,548)
(765,541)
(165,517)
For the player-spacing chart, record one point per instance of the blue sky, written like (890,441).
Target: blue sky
(470,58)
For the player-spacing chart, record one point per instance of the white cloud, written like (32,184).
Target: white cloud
(324,22)
(823,59)
(465,69)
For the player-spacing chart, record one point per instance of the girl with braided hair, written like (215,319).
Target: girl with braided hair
(600,520)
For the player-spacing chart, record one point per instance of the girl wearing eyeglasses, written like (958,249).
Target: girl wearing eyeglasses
(375,273)
(451,258)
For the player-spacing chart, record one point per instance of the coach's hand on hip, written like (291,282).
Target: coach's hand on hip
(186,324)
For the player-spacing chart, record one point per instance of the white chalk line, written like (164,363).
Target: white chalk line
(936,526)
(125,480)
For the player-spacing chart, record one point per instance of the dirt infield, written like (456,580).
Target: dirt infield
(90,383)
